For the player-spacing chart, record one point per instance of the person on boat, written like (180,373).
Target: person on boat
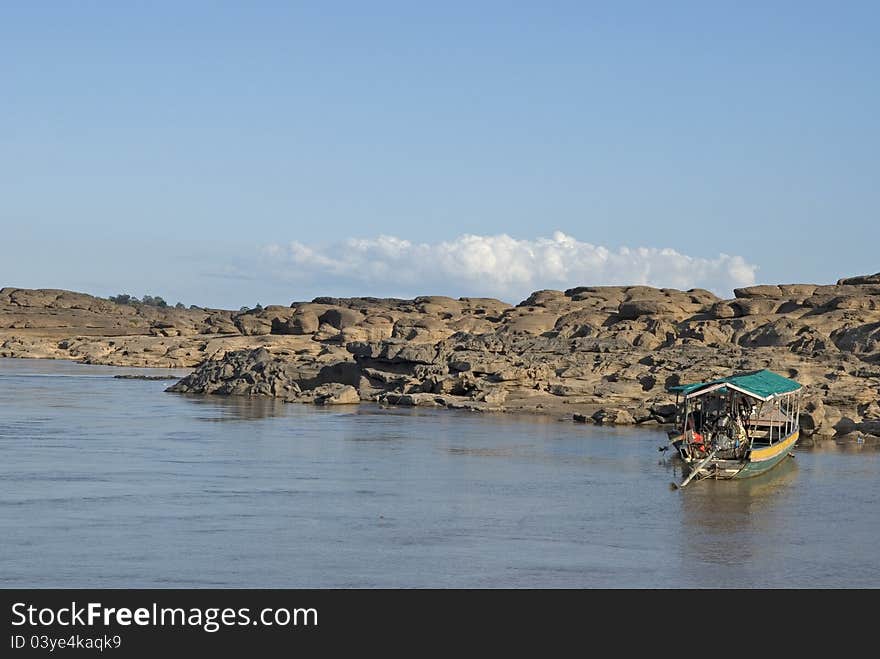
(744,413)
(693,437)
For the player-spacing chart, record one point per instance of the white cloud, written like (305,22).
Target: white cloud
(497,266)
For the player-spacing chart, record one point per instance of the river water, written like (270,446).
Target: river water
(114,483)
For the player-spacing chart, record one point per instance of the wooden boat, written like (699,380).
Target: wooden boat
(736,427)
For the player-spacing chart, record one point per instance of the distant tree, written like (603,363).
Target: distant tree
(259,307)
(244,309)
(194,307)
(122,298)
(180,305)
(153,301)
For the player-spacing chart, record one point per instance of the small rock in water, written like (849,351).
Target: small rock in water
(147,377)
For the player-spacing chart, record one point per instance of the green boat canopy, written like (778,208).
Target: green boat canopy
(763,385)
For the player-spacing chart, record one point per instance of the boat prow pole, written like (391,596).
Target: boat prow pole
(702,463)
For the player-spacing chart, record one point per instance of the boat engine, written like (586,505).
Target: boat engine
(724,435)
(728,435)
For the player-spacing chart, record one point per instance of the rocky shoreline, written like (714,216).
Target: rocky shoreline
(602,354)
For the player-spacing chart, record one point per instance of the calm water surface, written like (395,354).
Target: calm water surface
(114,483)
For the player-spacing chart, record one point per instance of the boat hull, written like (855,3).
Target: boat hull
(764,459)
(758,461)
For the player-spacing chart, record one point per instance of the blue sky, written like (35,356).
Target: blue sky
(228,153)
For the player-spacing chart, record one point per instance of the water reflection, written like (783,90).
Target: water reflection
(725,522)
(718,497)
(235,408)
(849,444)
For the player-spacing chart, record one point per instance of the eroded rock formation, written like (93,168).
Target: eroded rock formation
(604,353)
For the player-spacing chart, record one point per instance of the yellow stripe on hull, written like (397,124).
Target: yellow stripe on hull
(771,452)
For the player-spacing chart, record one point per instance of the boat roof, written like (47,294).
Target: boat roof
(763,385)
